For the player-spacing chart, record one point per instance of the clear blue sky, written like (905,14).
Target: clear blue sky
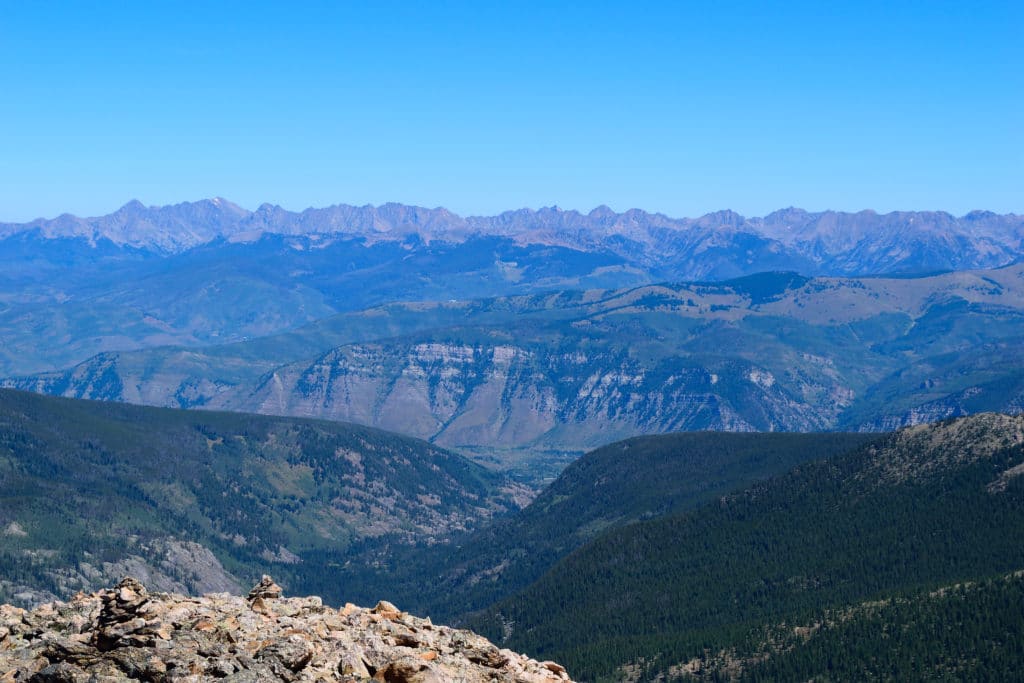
(678,107)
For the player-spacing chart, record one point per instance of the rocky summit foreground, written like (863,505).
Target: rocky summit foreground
(127,633)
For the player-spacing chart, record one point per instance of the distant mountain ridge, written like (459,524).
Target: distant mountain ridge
(827,242)
(209,272)
(567,371)
(548,329)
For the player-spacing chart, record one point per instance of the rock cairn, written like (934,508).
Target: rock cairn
(127,633)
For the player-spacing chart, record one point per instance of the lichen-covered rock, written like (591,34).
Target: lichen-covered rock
(128,633)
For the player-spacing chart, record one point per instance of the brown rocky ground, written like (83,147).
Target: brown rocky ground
(127,633)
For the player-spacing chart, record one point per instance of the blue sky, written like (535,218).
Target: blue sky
(681,107)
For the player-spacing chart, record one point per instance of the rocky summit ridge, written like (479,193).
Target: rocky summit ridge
(128,633)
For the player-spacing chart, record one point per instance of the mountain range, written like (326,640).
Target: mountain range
(551,375)
(688,556)
(524,338)
(207,273)
(827,242)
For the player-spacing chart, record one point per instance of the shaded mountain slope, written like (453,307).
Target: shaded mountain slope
(975,379)
(638,479)
(224,292)
(965,631)
(925,506)
(89,489)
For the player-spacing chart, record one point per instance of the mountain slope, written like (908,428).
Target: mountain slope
(965,631)
(228,292)
(925,506)
(91,489)
(206,272)
(612,486)
(568,371)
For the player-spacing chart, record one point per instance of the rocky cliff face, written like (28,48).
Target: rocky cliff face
(570,371)
(127,633)
(481,394)
(165,564)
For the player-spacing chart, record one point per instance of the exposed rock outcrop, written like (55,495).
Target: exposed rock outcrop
(163,564)
(127,633)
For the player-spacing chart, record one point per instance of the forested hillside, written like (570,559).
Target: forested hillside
(964,631)
(700,554)
(201,500)
(622,483)
(925,507)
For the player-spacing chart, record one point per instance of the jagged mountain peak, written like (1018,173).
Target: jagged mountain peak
(815,243)
(132,206)
(723,218)
(602,211)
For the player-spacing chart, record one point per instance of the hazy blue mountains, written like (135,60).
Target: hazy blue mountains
(574,370)
(206,272)
(680,248)
(544,331)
